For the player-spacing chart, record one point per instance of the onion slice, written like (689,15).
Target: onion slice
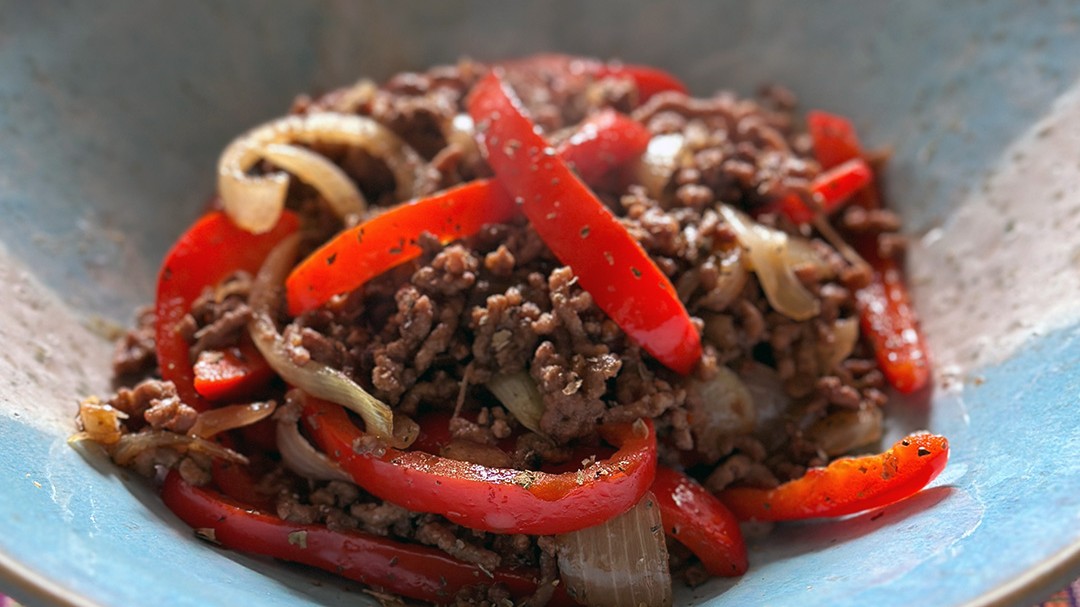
(312,377)
(297,453)
(620,563)
(315,169)
(131,445)
(659,162)
(726,409)
(768,253)
(216,421)
(519,394)
(845,334)
(256,202)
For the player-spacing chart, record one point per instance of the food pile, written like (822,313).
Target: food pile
(542,331)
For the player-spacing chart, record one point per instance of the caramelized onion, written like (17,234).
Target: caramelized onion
(312,377)
(659,162)
(620,563)
(215,421)
(519,394)
(771,403)
(767,250)
(726,408)
(297,454)
(256,202)
(131,445)
(316,170)
(843,431)
(100,421)
(845,333)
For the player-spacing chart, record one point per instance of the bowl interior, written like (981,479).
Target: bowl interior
(111,118)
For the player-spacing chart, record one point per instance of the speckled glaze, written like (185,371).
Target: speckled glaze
(111,117)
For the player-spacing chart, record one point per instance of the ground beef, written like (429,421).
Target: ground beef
(135,354)
(156,403)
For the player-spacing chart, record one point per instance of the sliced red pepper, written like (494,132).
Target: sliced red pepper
(211,249)
(847,485)
(582,233)
(232,373)
(832,189)
(494,499)
(605,141)
(834,137)
(649,80)
(357,255)
(888,322)
(363,252)
(701,522)
(409,570)
(886,316)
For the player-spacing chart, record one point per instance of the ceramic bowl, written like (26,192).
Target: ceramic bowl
(112,114)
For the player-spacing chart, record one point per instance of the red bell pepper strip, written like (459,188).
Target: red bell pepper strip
(834,137)
(582,233)
(832,189)
(886,317)
(232,373)
(363,252)
(649,80)
(848,485)
(494,499)
(605,141)
(701,522)
(888,322)
(211,249)
(413,571)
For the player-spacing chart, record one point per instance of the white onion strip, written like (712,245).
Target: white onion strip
(767,250)
(315,169)
(297,454)
(255,202)
(519,394)
(230,417)
(312,377)
(131,445)
(620,563)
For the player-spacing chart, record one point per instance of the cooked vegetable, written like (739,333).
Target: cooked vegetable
(131,445)
(297,454)
(311,376)
(363,252)
(391,238)
(518,393)
(500,500)
(622,279)
(888,321)
(887,318)
(767,251)
(831,190)
(255,203)
(215,421)
(620,563)
(698,520)
(409,570)
(199,260)
(846,486)
(100,421)
(231,374)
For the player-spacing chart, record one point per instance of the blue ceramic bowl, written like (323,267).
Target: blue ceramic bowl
(111,117)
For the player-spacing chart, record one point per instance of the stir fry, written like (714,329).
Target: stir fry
(543,331)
